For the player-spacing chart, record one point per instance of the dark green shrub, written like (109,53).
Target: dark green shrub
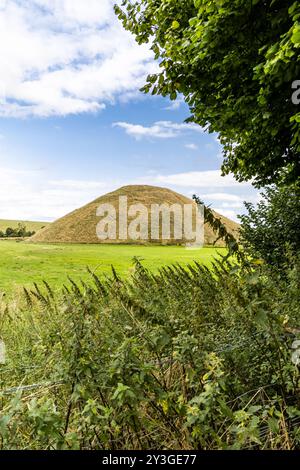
(18,232)
(271,230)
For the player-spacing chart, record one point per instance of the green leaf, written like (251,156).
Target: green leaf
(296,37)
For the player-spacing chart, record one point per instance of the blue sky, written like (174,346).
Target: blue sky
(73,124)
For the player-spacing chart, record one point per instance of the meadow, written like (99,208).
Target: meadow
(22,264)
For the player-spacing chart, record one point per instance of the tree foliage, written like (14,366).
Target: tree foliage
(17,232)
(234,61)
(271,230)
(221,231)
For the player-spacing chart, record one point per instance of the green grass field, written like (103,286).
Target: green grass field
(31,226)
(21,263)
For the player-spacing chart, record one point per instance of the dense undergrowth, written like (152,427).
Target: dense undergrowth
(189,358)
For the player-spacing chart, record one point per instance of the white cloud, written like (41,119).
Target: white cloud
(200,179)
(175,105)
(217,139)
(82,12)
(191,146)
(232,205)
(227,213)
(64,57)
(223,197)
(28,195)
(78,185)
(159,130)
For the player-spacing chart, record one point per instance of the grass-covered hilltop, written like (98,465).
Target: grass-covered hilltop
(80,225)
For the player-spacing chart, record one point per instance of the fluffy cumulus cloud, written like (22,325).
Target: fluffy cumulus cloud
(60,57)
(158,130)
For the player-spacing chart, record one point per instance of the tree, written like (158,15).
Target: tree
(271,230)
(235,62)
(10,232)
(21,230)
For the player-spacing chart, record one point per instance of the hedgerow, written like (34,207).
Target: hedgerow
(190,358)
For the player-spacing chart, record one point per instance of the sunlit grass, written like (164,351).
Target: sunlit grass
(21,263)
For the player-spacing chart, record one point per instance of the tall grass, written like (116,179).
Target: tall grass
(189,358)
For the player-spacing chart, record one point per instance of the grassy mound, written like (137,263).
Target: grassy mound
(80,225)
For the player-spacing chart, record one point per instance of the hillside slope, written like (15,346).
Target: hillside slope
(80,226)
(30,226)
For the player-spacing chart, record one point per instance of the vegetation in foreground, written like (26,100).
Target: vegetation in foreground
(22,264)
(182,359)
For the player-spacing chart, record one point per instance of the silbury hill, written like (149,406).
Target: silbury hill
(80,225)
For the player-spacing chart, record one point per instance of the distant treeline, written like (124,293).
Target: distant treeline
(18,232)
